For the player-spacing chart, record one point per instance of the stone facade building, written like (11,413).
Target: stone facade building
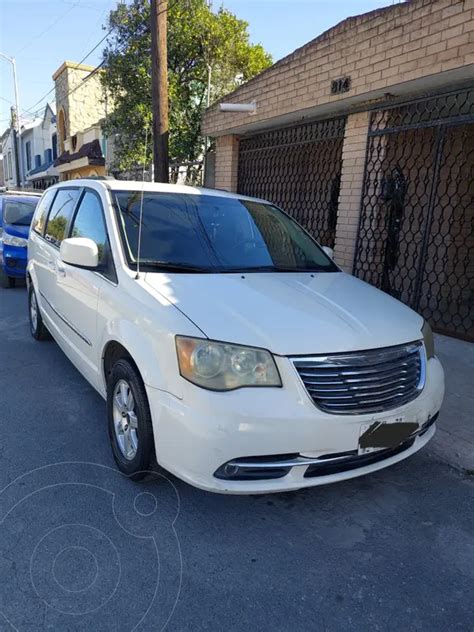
(81,104)
(366,136)
(39,150)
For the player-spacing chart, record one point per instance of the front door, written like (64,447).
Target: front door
(78,289)
(46,244)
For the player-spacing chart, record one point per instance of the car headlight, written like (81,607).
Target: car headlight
(220,366)
(11,240)
(428,339)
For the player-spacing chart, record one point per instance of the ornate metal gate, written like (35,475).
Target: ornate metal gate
(299,169)
(416,229)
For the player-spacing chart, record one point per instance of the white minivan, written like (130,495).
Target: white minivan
(227,343)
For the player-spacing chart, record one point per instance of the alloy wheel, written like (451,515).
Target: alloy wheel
(33,312)
(125,420)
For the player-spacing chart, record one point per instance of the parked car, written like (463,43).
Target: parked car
(16,212)
(225,340)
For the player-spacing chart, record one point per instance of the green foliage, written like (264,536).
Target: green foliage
(197,39)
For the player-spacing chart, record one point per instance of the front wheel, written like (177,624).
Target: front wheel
(37,327)
(129,421)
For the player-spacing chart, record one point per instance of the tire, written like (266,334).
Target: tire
(6,281)
(37,327)
(129,421)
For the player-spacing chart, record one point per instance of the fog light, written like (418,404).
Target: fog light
(254,469)
(231,470)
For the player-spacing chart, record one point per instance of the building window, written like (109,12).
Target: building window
(61,130)
(28,155)
(54,143)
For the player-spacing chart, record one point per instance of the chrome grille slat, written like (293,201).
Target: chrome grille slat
(377,366)
(334,372)
(360,391)
(364,382)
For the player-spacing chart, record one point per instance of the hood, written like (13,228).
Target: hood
(290,313)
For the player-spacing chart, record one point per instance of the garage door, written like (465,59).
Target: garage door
(299,169)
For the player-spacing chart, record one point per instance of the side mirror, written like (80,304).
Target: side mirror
(79,251)
(327,250)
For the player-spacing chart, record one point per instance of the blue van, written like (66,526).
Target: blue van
(16,213)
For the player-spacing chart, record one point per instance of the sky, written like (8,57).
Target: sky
(41,34)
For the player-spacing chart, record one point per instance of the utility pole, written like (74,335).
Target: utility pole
(159,88)
(19,165)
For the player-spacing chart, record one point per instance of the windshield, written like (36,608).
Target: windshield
(207,233)
(19,212)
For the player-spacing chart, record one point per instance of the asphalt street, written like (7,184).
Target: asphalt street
(83,548)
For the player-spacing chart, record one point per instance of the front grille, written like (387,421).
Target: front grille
(365,381)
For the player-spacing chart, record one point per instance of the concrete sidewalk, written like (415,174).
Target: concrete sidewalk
(454,440)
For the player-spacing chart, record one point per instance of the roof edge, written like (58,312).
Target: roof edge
(74,66)
(340,27)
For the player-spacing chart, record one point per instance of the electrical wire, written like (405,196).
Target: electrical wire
(92,73)
(30,110)
(48,28)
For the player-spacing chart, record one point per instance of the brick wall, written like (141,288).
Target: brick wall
(380,49)
(227,153)
(353,160)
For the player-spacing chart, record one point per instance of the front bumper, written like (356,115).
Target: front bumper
(198,434)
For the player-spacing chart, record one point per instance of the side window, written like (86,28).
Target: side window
(39,218)
(60,214)
(89,222)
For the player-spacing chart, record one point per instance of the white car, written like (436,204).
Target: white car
(227,343)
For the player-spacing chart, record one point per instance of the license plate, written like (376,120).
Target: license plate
(379,435)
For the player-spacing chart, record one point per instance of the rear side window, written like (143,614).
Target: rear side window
(89,222)
(19,212)
(60,214)
(39,218)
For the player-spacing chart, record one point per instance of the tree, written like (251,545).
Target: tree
(198,39)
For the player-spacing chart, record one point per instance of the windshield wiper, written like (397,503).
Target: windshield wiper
(273,269)
(170,266)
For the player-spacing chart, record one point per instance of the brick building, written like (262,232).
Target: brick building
(366,136)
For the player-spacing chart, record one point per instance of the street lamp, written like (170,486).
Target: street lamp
(18,130)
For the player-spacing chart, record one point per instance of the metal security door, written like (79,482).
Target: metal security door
(299,169)
(416,228)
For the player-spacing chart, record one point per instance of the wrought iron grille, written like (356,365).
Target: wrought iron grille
(299,169)
(416,228)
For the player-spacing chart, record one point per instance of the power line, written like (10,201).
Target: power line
(93,72)
(77,66)
(48,28)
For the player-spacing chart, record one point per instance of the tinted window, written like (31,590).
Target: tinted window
(215,234)
(19,212)
(89,222)
(41,212)
(60,214)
